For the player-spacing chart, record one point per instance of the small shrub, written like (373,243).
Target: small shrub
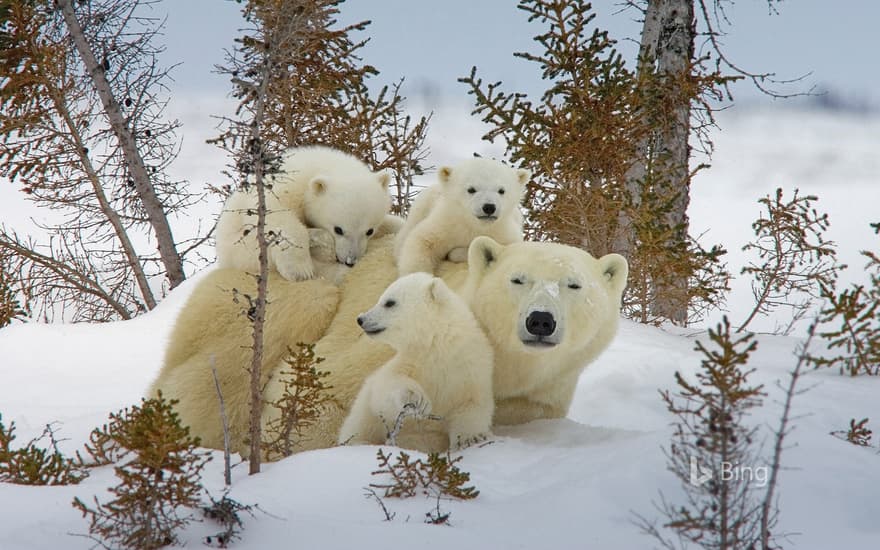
(34,465)
(794,257)
(159,468)
(226,512)
(710,434)
(437,475)
(857,434)
(303,400)
(856,314)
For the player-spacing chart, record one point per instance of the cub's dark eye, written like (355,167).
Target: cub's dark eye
(369,231)
(501,191)
(338,230)
(390,303)
(471,190)
(517,281)
(574,286)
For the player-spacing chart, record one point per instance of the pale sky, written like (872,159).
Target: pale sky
(432,42)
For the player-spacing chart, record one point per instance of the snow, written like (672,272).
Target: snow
(572,483)
(569,483)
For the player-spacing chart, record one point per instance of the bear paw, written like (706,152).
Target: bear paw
(458,255)
(409,402)
(334,272)
(458,442)
(294,266)
(322,246)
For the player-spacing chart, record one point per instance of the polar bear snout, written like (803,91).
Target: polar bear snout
(370,326)
(540,323)
(349,250)
(540,327)
(489,209)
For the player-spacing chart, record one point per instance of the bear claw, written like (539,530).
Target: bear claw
(465,441)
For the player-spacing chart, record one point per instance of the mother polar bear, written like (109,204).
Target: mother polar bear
(548,310)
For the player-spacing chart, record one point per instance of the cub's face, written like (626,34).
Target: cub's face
(350,211)
(543,297)
(486,189)
(400,314)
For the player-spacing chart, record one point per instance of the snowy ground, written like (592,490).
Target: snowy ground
(572,483)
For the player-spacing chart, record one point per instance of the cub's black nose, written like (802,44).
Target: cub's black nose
(540,323)
(488,209)
(360,320)
(350,263)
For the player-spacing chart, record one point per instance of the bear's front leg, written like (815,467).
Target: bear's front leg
(470,424)
(394,398)
(290,253)
(361,426)
(519,410)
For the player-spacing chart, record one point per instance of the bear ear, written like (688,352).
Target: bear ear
(436,289)
(615,270)
(482,253)
(444,174)
(318,185)
(523,175)
(384,179)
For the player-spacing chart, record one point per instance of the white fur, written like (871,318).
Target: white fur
(316,188)
(531,379)
(443,365)
(536,373)
(447,216)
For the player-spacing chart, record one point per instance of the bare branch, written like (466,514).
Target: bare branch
(139,176)
(759,80)
(227,468)
(768,504)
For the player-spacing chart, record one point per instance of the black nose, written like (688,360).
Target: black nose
(360,320)
(540,323)
(488,208)
(349,263)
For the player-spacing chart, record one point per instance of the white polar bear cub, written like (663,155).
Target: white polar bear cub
(476,197)
(443,365)
(316,188)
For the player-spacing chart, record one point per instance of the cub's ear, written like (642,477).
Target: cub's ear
(482,253)
(318,185)
(444,174)
(615,270)
(523,175)
(436,290)
(384,179)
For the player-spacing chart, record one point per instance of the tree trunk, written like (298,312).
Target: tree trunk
(112,216)
(625,238)
(136,167)
(675,52)
(667,47)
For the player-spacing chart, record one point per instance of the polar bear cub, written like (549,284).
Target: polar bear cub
(316,188)
(443,365)
(477,197)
